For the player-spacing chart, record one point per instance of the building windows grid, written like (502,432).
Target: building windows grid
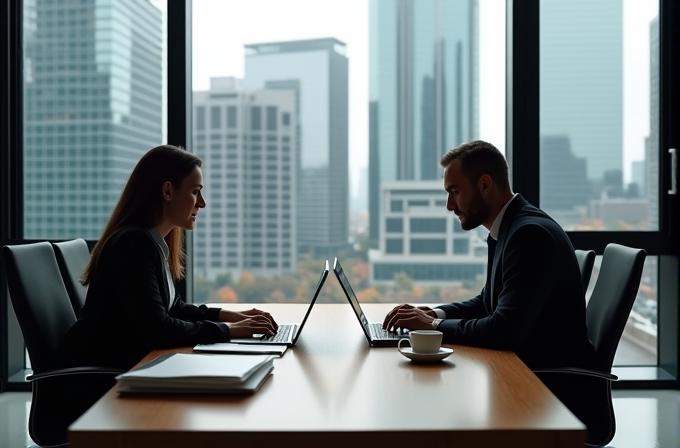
(243,194)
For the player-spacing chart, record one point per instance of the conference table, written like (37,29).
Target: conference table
(333,389)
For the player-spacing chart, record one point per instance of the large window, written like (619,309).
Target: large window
(599,113)
(351,98)
(374,94)
(599,133)
(320,123)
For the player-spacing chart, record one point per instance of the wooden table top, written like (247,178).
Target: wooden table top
(332,388)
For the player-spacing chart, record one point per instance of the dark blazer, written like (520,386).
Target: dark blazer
(128,310)
(537,305)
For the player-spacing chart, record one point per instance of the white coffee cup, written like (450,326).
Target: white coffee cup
(423,341)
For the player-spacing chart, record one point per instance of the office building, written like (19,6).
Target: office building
(247,139)
(620,211)
(91,110)
(423,89)
(317,72)
(581,88)
(421,238)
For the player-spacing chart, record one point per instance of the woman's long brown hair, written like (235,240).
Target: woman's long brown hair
(141,203)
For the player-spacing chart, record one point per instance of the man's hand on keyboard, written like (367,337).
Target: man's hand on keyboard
(408,316)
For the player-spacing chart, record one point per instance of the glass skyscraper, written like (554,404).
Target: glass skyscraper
(93,106)
(423,88)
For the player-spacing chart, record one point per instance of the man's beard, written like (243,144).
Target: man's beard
(476,214)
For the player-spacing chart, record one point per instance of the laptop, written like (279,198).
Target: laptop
(375,335)
(287,334)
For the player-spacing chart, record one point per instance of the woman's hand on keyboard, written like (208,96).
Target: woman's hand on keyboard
(256,312)
(237,316)
(250,326)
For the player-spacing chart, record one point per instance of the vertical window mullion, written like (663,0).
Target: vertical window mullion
(179,93)
(522,97)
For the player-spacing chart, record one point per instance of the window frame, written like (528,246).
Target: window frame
(12,350)
(523,154)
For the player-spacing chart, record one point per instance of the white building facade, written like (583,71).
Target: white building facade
(246,139)
(421,238)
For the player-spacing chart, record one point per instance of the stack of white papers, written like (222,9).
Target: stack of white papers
(198,373)
(244,349)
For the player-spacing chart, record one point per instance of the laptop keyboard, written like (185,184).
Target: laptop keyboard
(281,335)
(377,332)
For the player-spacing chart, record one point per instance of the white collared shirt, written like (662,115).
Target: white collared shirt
(166,252)
(496,226)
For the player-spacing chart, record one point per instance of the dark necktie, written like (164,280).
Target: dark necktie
(491,243)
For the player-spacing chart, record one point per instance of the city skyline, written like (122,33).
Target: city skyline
(226,28)
(581,81)
(348,22)
(94,105)
(423,90)
(626,17)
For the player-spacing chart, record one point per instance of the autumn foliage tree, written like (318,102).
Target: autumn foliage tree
(227,295)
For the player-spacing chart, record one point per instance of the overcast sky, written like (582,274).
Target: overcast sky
(222,28)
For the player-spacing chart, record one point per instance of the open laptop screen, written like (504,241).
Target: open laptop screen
(322,279)
(350,294)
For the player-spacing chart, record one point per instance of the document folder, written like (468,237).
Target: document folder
(198,373)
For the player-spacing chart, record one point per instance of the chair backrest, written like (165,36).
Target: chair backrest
(40,300)
(612,300)
(72,258)
(586,260)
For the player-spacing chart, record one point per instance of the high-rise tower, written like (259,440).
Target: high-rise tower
(423,89)
(93,107)
(317,72)
(247,139)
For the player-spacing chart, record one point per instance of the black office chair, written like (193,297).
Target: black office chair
(72,258)
(586,260)
(587,393)
(45,314)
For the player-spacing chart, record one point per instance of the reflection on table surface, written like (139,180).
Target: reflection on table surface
(332,381)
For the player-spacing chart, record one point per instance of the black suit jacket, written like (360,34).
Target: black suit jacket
(129,312)
(537,304)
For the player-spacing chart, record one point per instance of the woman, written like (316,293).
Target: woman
(131,306)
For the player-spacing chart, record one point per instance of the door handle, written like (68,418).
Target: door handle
(674,171)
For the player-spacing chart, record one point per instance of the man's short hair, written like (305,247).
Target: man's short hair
(478,158)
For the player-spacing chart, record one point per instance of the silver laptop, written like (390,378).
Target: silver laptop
(287,334)
(375,335)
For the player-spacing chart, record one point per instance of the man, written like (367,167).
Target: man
(533,301)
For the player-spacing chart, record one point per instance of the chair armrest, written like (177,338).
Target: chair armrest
(74,371)
(578,371)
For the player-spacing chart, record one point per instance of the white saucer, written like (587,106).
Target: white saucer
(426,357)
